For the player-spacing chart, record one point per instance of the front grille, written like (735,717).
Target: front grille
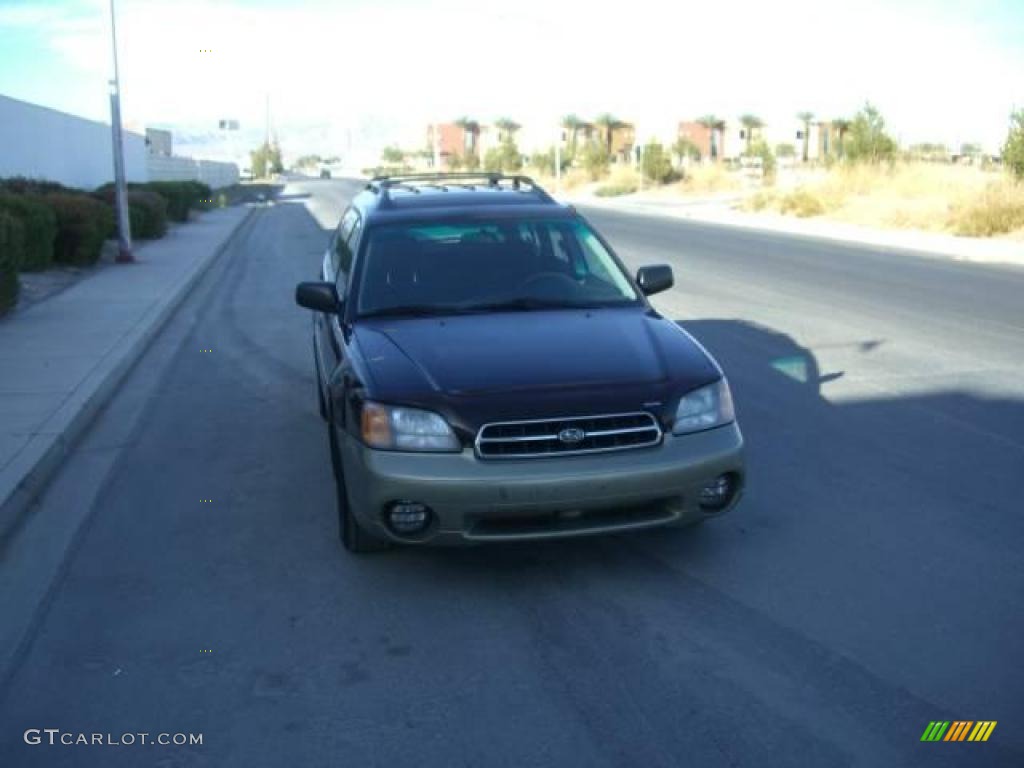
(568,436)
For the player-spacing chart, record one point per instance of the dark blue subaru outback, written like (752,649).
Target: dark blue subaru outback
(489,371)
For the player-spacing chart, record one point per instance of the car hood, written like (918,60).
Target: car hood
(518,365)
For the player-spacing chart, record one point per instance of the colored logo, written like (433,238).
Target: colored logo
(958,730)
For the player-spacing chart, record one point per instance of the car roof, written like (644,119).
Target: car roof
(422,197)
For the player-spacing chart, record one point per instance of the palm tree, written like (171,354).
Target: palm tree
(842,125)
(610,124)
(506,128)
(714,126)
(805,118)
(685,149)
(751,123)
(572,124)
(470,130)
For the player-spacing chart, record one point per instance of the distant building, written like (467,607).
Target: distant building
(159,142)
(710,143)
(449,140)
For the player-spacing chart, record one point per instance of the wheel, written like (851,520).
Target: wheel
(353,536)
(319,390)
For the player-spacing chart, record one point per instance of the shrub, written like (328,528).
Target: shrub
(594,159)
(997,210)
(39,226)
(1013,150)
(21,185)
(148,213)
(83,224)
(867,140)
(759,148)
(802,203)
(181,196)
(147,210)
(758,201)
(11,249)
(202,195)
(615,190)
(656,164)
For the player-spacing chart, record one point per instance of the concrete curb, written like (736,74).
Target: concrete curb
(40,459)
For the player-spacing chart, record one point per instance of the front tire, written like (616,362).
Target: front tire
(354,537)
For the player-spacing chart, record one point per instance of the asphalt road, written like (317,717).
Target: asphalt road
(870,582)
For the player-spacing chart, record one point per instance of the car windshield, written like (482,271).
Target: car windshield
(488,266)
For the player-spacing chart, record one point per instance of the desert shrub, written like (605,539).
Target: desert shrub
(759,148)
(615,190)
(594,159)
(759,201)
(997,210)
(39,229)
(710,179)
(656,164)
(83,224)
(802,203)
(11,251)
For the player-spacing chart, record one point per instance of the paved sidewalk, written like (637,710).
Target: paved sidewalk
(717,210)
(62,358)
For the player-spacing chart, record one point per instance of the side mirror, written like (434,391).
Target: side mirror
(655,279)
(322,297)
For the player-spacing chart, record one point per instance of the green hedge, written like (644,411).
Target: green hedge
(12,244)
(181,196)
(147,210)
(20,185)
(83,224)
(40,229)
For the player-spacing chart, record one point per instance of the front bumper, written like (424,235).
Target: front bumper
(522,499)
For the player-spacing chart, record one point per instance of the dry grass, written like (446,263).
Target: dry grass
(928,197)
(709,179)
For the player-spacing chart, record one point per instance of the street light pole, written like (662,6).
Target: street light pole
(124,234)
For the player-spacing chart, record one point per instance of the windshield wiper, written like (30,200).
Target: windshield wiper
(413,310)
(523,305)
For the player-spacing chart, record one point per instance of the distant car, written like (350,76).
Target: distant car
(489,371)
(324,173)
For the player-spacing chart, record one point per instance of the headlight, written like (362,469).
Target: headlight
(704,408)
(406,429)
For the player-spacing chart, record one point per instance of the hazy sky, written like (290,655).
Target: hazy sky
(943,71)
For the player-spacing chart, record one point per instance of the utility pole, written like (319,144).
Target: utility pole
(124,233)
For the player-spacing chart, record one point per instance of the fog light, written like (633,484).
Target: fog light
(717,494)
(407,518)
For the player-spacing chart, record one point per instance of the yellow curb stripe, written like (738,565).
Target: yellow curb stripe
(988,731)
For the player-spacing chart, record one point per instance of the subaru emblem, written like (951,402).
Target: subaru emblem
(571,435)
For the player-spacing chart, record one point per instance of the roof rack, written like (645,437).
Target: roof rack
(381,184)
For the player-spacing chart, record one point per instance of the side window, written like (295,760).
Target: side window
(344,240)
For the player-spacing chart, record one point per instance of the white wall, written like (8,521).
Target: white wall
(217,175)
(46,144)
